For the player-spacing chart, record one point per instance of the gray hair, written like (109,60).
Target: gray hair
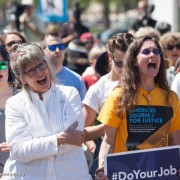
(25,54)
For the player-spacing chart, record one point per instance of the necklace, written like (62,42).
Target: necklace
(148,98)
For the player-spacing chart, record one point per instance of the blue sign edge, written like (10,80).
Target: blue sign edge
(53,18)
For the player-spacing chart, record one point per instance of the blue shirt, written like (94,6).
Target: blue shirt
(68,77)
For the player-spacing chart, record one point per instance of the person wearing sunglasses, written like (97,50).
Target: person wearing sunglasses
(98,92)
(7,89)
(88,40)
(54,51)
(143,99)
(44,122)
(171,47)
(11,38)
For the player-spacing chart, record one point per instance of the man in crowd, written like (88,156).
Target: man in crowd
(54,51)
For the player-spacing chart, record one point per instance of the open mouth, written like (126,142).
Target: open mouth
(175,55)
(42,81)
(1,76)
(152,66)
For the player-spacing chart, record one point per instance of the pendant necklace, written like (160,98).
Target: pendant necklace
(148,98)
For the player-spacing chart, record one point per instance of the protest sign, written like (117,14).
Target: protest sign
(156,163)
(53,10)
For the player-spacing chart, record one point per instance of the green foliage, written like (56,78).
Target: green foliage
(2,4)
(121,5)
(125,4)
(82,2)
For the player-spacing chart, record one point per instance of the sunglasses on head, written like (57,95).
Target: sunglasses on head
(171,47)
(53,47)
(9,44)
(155,51)
(3,65)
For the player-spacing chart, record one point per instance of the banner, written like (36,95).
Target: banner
(53,10)
(157,164)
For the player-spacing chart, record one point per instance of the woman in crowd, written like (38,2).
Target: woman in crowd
(7,89)
(144,88)
(97,93)
(171,47)
(11,38)
(44,123)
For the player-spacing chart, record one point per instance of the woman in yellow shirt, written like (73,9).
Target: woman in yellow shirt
(143,113)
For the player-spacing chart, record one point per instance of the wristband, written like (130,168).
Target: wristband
(92,148)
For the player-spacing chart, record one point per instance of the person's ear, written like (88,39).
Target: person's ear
(178,69)
(109,56)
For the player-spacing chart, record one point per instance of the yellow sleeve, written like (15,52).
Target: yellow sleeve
(108,113)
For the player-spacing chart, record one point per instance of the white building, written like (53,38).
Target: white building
(168,11)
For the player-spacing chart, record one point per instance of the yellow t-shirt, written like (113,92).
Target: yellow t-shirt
(148,126)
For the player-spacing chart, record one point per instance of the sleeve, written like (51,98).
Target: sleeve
(22,145)
(74,110)
(108,114)
(82,90)
(176,112)
(176,85)
(91,99)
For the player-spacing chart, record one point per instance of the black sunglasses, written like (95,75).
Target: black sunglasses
(89,42)
(9,44)
(155,51)
(53,47)
(171,47)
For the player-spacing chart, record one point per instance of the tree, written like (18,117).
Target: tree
(124,4)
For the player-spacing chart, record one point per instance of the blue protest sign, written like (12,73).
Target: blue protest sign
(157,164)
(53,10)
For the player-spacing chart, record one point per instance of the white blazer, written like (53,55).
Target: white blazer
(31,129)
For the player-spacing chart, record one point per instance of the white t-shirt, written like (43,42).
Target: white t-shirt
(176,85)
(98,92)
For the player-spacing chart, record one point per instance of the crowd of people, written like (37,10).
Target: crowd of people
(68,100)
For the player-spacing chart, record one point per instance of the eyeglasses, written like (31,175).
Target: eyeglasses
(3,65)
(118,64)
(9,44)
(155,51)
(89,42)
(171,47)
(53,47)
(41,67)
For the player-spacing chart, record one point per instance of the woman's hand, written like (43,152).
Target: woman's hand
(71,136)
(4,147)
(100,176)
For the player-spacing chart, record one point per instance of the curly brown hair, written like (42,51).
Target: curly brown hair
(130,76)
